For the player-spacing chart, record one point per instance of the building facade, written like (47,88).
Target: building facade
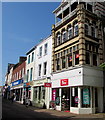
(30,73)
(17,80)
(8,78)
(41,88)
(77,52)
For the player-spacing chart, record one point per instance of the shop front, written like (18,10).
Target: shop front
(41,93)
(73,93)
(17,88)
(27,89)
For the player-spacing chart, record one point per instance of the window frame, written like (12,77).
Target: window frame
(45,48)
(39,70)
(44,68)
(40,51)
(32,59)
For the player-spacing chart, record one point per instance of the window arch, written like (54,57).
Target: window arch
(87,21)
(70,31)
(63,35)
(58,38)
(75,27)
(93,31)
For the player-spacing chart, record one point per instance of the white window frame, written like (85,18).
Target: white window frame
(44,68)
(70,29)
(64,38)
(75,29)
(58,39)
(39,70)
(40,51)
(45,49)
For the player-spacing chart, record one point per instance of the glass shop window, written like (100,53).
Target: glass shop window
(43,92)
(85,97)
(35,92)
(74,97)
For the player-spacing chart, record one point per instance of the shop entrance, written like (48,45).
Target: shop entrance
(65,99)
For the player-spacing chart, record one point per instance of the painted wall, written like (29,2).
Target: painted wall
(79,76)
(44,58)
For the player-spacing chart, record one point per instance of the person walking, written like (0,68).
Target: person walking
(12,97)
(27,102)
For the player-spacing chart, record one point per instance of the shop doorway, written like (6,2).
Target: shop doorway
(96,100)
(65,99)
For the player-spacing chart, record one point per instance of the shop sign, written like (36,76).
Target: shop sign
(76,99)
(86,99)
(57,101)
(64,82)
(47,84)
(17,82)
(53,94)
(27,84)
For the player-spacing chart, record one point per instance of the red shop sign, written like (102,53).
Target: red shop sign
(47,84)
(64,82)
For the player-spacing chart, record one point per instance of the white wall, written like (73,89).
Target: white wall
(44,58)
(31,65)
(81,75)
(92,76)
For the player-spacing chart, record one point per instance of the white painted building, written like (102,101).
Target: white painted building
(41,94)
(30,73)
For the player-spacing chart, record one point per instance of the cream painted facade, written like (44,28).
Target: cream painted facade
(77,52)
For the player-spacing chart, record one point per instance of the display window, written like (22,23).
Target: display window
(74,97)
(65,99)
(85,97)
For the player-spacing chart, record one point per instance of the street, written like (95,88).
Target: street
(19,111)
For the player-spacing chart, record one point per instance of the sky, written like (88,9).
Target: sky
(24,24)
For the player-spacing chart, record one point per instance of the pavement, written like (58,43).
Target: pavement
(16,110)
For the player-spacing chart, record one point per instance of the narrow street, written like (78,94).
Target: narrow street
(19,111)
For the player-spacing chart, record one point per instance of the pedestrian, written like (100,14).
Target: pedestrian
(27,102)
(12,97)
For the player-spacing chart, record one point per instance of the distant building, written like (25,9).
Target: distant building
(18,76)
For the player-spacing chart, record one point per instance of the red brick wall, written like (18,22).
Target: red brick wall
(19,68)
